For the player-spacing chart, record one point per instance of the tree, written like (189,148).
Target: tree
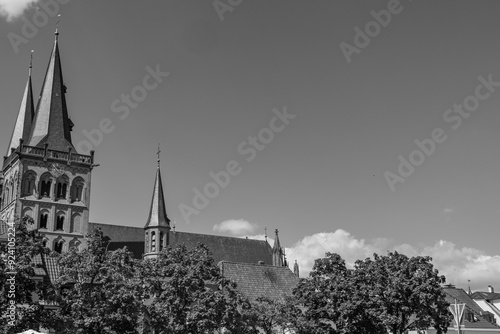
(20,308)
(269,316)
(390,293)
(187,294)
(406,292)
(330,301)
(99,290)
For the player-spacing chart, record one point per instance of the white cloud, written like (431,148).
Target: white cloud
(12,9)
(236,227)
(458,264)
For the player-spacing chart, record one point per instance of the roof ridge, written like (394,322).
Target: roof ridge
(219,236)
(253,264)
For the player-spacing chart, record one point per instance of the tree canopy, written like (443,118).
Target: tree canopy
(391,293)
(21,290)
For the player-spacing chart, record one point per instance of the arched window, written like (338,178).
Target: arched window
(60,222)
(28,183)
(45,185)
(161,242)
(153,242)
(77,189)
(44,218)
(62,187)
(58,245)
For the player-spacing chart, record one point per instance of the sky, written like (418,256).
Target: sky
(354,127)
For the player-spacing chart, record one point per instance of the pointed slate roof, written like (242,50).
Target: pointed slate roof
(25,116)
(158,213)
(277,253)
(51,124)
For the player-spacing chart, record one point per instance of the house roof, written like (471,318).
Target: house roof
(226,248)
(461,296)
(254,280)
(49,267)
(222,248)
(485,295)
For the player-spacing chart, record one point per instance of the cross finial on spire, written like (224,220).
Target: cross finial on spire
(158,153)
(31,61)
(57,25)
(265,232)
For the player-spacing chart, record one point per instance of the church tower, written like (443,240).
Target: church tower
(44,176)
(157,228)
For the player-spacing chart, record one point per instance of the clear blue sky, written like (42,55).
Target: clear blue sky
(325,170)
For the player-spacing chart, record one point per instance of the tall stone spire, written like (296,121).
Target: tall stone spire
(25,116)
(51,124)
(277,252)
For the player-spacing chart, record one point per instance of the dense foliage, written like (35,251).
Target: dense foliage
(183,291)
(391,293)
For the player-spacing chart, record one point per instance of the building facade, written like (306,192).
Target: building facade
(42,174)
(44,177)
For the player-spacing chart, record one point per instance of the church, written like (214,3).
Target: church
(44,177)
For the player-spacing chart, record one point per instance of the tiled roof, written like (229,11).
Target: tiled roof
(226,248)
(49,267)
(119,233)
(222,248)
(461,296)
(254,280)
(486,295)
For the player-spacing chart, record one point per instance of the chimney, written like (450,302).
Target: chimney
(491,289)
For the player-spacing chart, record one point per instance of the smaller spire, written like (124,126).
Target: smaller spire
(470,292)
(277,252)
(25,116)
(296,269)
(265,232)
(158,213)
